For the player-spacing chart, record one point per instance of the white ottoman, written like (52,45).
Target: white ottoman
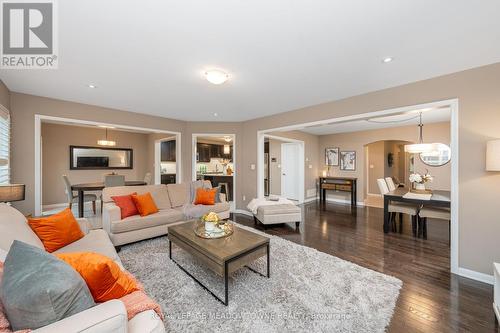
(280,213)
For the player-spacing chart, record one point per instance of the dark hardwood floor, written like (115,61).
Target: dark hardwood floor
(431,300)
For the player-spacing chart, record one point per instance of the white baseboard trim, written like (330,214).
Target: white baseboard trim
(478,276)
(344,201)
(310,199)
(243,211)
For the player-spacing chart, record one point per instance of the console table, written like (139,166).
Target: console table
(342,184)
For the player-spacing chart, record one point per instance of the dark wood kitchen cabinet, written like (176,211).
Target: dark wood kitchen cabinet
(168,178)
(168,151)
(203,151)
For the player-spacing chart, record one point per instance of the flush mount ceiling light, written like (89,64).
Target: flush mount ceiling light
(106,142)
(227,138)
(215,114)
(216,76)
(420,147)
(387,60)
(91,86)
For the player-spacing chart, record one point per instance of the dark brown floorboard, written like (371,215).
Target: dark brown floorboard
(431,300)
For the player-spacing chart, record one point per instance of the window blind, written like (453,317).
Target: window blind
(4,147)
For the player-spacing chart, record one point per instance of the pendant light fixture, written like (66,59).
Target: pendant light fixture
(420,147)
(106,142)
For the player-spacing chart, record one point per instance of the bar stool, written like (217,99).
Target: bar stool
(433,213)
(401,208)
(226,186)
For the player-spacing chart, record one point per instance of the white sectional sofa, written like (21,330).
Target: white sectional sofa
(110,316)
(173,202)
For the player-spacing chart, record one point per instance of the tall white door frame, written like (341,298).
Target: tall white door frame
(39,118)
(286,169)
(453,104)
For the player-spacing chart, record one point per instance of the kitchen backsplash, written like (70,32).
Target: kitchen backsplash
(168,167)
(214,165)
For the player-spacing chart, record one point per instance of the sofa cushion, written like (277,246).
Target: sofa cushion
(57,230)
(126,204)
(158,192)
(163,217)
(38,289)
(193,188)
(102,275)
(195,211)
(278,209)
(13,225)
(179,194)
(95,241)
(145,204)
(205,196)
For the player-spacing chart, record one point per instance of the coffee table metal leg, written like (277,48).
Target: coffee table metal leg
(268,262)
(226,288)
(170,249)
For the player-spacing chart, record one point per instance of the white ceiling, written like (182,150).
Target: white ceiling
(149,56)
(404,119)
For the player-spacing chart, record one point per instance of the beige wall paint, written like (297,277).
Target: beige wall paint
(4,96)
(23,110)
(435,132)
(56,140)
(479,118)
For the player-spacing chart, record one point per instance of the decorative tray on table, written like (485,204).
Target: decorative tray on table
(222,229)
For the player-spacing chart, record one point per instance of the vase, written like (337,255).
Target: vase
(209,226)
(420,186)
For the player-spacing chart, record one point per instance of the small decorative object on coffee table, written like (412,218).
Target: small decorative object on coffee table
(418,181)
(210,226)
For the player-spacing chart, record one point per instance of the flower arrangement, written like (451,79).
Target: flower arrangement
(211,220)
(419,180)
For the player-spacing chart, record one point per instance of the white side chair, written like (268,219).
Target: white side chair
(390,183)
(72,198)
(433,213)
(112,181)
(148,178)
(399,208)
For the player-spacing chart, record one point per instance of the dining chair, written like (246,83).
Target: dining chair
(148,178)
(72,198)
(390,183)
(433,213)
(399,208)
(114,180)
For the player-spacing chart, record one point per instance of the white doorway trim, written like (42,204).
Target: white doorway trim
(194,140)
(39,118)
(453,104)
(301,179)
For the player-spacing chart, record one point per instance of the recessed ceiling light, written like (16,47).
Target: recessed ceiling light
(91,86)
(387,60)
(215,114)
(216,76)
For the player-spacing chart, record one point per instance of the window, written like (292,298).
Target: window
(4,147)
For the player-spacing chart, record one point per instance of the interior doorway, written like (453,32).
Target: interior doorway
(290,161)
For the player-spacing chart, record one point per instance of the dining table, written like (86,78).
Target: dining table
(97,186)
(439,198)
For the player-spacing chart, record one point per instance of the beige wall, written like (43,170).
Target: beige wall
(23,110)
(56,140)
(375,166)
(479,119)
(4,95)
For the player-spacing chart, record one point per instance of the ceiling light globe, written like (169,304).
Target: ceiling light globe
(216,76)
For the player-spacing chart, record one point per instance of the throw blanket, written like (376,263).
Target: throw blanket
(254,205)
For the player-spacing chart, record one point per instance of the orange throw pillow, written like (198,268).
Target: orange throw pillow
(126,204)
(105,279)
(57,230)
(205,196)
(145,204)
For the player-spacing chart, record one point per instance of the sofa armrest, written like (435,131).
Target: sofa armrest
(110,316)
(222,197)
(84,225)
(110,213)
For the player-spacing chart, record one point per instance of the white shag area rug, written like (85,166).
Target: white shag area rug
(309,291)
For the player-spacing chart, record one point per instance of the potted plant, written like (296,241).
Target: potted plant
(418,180)
(211,220)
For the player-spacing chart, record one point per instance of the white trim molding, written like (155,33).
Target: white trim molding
(478,276)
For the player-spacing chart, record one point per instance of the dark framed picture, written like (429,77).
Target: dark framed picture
(348,160)
(332,156)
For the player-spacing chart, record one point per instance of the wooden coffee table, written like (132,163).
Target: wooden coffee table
(223,255)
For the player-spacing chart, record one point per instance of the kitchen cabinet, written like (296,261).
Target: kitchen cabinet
(168,151)
(203,152)
(168,178)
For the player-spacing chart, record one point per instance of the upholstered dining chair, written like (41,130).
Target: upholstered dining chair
(112,181)
(399,208)
(72,198)
(148,178)
(390,183)
(433,213)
